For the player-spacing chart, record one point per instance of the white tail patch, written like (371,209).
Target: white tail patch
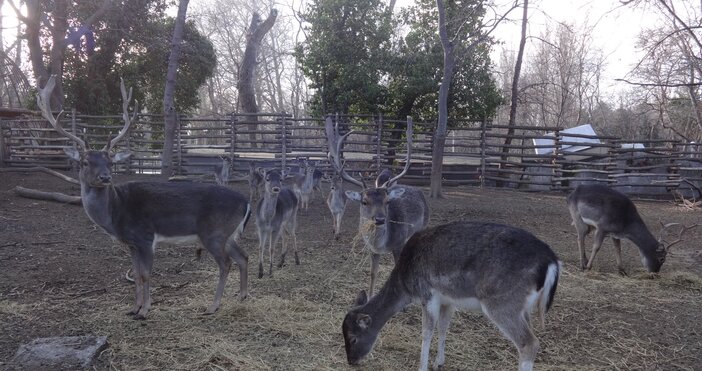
(551,277)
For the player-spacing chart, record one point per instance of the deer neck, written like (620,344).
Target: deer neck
(642,237)
(268,205)
(98,204)
(391,299)
(376,237)
(307,183)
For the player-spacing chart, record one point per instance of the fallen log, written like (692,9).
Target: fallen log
(50,196)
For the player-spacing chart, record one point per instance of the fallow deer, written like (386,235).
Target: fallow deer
(303,184)
(609,212)
(336,201)
(255,181)
(389,215)
(503,271)
(276,212)
(144,214)
(221,171)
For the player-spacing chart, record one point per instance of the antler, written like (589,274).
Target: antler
(684,229)
(126,98)
(335,142)
(44,103)
(409,154)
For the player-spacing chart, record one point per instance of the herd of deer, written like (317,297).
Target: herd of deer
(503,271)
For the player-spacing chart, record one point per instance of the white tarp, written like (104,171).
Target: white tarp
(582,130)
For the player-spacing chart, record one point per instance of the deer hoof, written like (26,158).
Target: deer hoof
(210,311)
(139,317)
(623,273)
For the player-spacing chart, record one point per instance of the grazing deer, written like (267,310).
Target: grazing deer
(144,214)
(255,181)
(609,212)
(389,215)
(276,212)
(221,171)
(336,201)
(503,271)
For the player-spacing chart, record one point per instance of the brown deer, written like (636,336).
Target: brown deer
(303,184)
(389,215)
(144,214)
(502,271)
(276,212)
(609,212)
(255,181)
(336,201)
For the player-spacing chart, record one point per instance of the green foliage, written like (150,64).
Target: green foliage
(359,64)
(347,45)
(415,80)
(133,42)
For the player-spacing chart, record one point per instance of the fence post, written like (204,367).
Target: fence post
(2,143)
(284,140)
(483,137)
(379,142)
(232,135)
(74,166)
(555,173)
(179,145)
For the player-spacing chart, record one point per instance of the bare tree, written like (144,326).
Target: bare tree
(169,112)
(672,68)
(472,37)
(247,72)
(515,80)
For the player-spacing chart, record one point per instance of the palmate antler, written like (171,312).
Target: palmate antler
(335,143)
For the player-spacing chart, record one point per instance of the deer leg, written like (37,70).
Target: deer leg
(375,263)
(283,249)
(445,314)
(146,258)
(293,233)
(430,314)
(273,242)
(618,255)
(582,229)
(263,238)
(337,225)
(138,281)
(242,260)
(217,247)
(512,320)
(599,238)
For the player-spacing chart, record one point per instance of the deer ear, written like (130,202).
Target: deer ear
(121,156)
(364,321)
(361,298)
(353,195)
(72,153)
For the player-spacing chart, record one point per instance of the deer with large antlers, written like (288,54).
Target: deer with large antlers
(144,214)
(609,212)
(389,213)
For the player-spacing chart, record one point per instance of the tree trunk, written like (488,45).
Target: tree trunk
(169,112)
(247,72)
(515,88)
(437,155)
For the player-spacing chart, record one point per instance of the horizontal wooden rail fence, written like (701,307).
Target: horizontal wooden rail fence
(536,158)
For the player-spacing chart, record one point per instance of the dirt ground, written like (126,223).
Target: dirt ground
(60,276)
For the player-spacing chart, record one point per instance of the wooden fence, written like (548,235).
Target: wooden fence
(536,159)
